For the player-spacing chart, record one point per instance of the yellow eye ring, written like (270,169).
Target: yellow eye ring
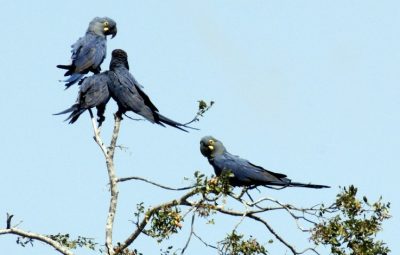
(105,23)
(211,142)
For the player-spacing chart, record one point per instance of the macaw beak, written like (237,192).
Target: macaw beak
(110,31)
(204,149)
(113,32)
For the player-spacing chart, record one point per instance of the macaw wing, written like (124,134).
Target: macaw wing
(146,98)
(261,169)
(94,90)
(246,173)
(88,53)
(127,96)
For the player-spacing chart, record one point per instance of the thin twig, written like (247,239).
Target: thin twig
(256,218)
(273,232)
(309,249)
(153,183)
(204,242)
(288,208)
(203,107)
(190,235)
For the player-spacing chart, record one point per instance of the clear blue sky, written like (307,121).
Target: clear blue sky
(307,88)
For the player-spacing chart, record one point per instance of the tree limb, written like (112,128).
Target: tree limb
(250,215)
(113,186)
(109,156)
(56,245)
(190,235)
(97,137)
(141,226)
(247,213)
(153,183)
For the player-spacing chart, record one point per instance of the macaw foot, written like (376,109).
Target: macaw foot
(100,121)
(118,114)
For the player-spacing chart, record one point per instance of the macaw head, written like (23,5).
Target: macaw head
(103,26)
(119,57)
(210,147)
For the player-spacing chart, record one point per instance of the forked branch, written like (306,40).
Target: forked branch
(35,236)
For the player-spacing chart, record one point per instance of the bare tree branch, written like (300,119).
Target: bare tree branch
(97,137)
(113,186)
(190,235)
(286,207)
(204,242)
(56,245)
(250,214)
(109,156)
(114,136)
(9,218)
(273,232)
(153,183)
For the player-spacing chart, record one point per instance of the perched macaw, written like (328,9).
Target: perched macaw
(128,94)
(90,50)
(93,92)
(244,173)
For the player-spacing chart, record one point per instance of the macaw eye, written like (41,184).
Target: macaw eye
(105,23)
(211,142)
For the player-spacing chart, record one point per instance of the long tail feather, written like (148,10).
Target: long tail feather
(282,185)
(75,115)
(75,110)
(66,67)
(74,78)
(71,109)
(172,123)
(307,185)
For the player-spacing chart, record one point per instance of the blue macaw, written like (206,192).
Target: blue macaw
(244,173)
(128,94)
(93,92)
(90,50)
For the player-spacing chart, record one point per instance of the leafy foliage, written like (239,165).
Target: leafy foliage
(64,240)
(164,222)
(235,244)
(353,230)
(23,241)
(216,186)
(204,107)
(81,241)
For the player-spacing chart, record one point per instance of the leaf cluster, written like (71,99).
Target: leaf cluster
(216,186)
(353,230)
(235,243)
(164,222)
(81,241)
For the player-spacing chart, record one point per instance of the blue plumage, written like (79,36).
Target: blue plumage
(93,92)
(244,172)
(128,94)
(89,51)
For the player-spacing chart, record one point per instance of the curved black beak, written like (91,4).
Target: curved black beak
(113,32)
